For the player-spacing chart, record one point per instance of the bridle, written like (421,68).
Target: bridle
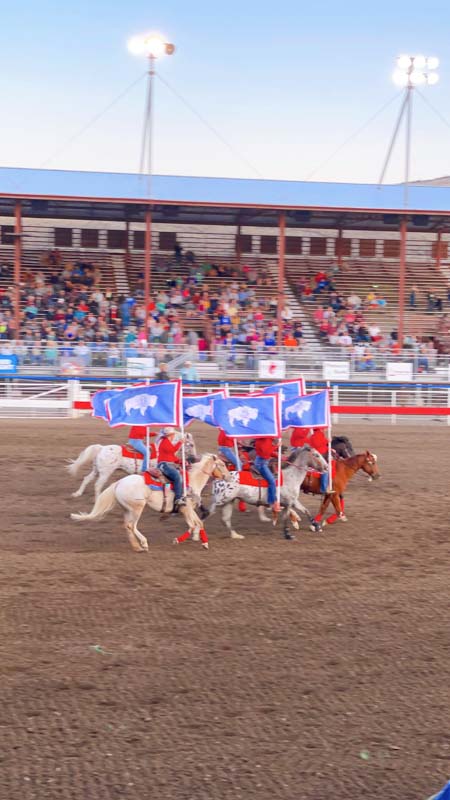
(214,464)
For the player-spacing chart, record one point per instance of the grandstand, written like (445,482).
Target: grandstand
(271,236)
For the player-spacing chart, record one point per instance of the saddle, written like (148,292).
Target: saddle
(254,478)
(129,452)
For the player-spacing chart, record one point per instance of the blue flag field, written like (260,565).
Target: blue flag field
(155,404)
(248,416)
(309,411)
(288,390)
(199,407)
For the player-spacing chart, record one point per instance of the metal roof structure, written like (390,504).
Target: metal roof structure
(183,200)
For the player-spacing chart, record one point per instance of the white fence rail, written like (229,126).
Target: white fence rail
(412,404)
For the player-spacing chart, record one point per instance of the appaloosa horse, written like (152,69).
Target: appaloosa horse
(293,474)
(344,469)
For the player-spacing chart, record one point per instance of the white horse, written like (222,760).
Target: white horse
(293,476)
(105,459)
(133,494)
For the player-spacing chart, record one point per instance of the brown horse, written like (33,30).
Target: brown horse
(346,468)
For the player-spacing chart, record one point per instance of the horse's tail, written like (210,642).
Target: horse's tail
(86,457)
(104,503)
(192,519)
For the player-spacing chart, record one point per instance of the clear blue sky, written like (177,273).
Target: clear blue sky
(284,82)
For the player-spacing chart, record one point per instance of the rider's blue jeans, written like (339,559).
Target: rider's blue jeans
(262,465)
(230,454)
(171,472)
(141,447)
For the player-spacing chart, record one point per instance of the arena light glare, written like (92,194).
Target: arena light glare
(151,45)
(415,71)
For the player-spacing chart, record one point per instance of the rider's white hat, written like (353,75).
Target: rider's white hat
(167,431)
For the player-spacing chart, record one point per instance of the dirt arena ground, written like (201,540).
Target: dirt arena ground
(263,669)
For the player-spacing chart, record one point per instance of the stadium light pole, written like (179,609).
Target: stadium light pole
(410,72)
(152,46)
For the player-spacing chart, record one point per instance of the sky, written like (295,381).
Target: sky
(284,85)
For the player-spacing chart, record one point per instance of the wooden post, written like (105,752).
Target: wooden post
(401,283)
(238,248)
(439,251)
(281,255)
(147,268)
(339,248)
(17,266)
(127,243)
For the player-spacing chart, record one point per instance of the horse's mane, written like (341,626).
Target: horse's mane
(292,457)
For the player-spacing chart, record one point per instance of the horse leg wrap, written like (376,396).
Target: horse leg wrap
(183,537)
(318,518)
(242,506)
(203,536)
(332,519)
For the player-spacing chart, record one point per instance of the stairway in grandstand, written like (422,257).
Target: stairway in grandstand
(163,267)
(359,277)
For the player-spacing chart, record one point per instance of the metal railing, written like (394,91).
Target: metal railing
(225,363)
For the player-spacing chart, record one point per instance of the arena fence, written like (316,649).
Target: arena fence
(237,362)
(389,403)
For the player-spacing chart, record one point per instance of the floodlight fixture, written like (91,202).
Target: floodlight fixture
(415,71)
(151,45)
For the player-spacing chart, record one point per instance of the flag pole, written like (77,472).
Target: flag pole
(278,407)
(147,434)
(235,444)
(183,451)
(330,469)
(279,473)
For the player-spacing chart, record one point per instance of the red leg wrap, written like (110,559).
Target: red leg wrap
(318,518)
(183,537)
(242,506)
(332,519)
(203,536)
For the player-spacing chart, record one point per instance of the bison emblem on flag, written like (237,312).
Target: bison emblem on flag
(298,409)
(198,411)
(243,414)
(140,402)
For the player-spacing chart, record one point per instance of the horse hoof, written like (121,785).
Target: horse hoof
(205,545)
(343,518)
(235,535)
(175,541)
(315,527)
(289,537)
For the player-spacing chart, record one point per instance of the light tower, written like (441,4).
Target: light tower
(151,46)
(410,72)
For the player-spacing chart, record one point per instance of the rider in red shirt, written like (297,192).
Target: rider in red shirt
(137,439)
(167,459)
(319,441)
(226,448)
(265,448)
(300,437)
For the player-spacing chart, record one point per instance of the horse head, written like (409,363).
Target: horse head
(317,461)
(214,467)
(369,465)
(307,456)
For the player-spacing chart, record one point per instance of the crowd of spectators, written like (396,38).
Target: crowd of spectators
(343,322)
(69,309)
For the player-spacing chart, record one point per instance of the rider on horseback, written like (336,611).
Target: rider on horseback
(226,448)
(266,449)
(314,437)
(167,464)
(137,439)
(319,441)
